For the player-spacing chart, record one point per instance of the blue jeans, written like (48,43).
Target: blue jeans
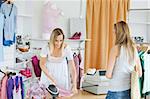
(119,94)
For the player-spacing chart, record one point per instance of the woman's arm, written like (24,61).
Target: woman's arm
(111,61)
(45,70)
(73,72)
(73,75)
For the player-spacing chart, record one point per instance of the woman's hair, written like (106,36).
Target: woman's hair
(123,38)
(55,33)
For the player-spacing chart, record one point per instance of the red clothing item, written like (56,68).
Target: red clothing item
(36,66)
(26,72)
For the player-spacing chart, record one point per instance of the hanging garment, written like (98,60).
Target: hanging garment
(80,58)
(50,17)
(36,66)
(10,16)
(146,84)
(22,88)
(4,88)
(76,61)
(10,87)
(1,36)
(141,80)
(1,2)
(81,69)
(17,89)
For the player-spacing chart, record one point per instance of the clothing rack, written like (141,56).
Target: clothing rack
(8,74)
(147,44)
(2,71)
(14,69)
(143,43)
(147,51)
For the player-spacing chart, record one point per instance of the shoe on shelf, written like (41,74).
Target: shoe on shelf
(76,36)
(79,34)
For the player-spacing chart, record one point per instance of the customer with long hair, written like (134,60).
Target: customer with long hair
(123,59)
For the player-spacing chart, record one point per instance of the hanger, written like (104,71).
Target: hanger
(142,47)
(148,50)
(9,73)
(2,71)
(9,2)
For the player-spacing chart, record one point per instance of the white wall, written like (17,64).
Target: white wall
(33,25)
(138,19)
(30,18)
(138,4)
(149,22)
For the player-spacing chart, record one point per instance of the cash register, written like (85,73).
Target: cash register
(96,82)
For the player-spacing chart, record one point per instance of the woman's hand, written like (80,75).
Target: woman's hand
(52,81)
(74,90)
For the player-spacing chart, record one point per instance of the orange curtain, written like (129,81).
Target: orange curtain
(100,17)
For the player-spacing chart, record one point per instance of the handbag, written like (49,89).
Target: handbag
(135,88)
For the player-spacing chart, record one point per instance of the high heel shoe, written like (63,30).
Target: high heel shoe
(76,36)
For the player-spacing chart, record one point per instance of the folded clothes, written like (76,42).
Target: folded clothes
(64,92)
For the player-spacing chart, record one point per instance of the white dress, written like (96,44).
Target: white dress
(57,67)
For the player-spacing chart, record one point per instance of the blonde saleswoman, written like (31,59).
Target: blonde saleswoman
(57,64)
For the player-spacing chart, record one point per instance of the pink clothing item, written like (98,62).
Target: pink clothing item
(79,68)
(0,93)
(64,93)
(37,91)
(50,17)
(76,61)
(3,88)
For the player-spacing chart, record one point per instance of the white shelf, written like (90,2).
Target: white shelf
(146,23)
(24,15)
(67,40)
(141,9)
(37,39)
(80,40)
